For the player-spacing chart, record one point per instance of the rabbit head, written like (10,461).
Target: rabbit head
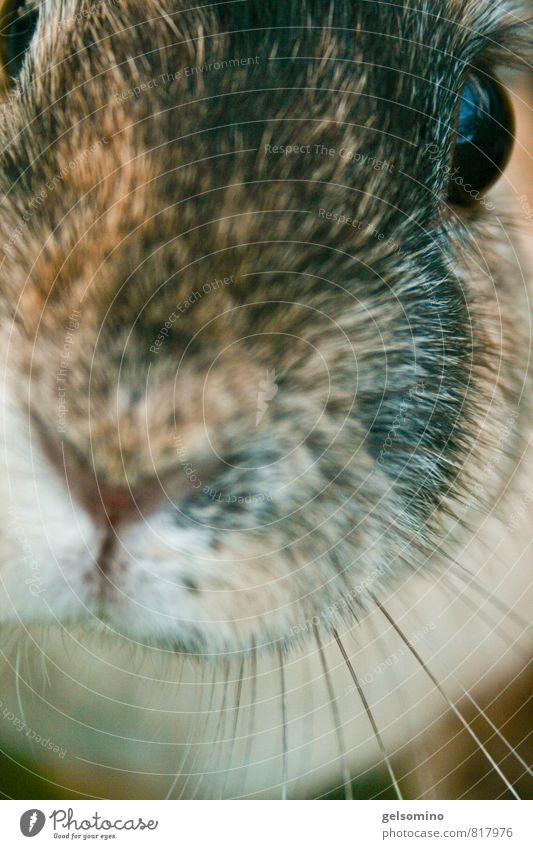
(257,342)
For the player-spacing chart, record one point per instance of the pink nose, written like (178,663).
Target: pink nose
(118,502)
(120,505)
(115,505)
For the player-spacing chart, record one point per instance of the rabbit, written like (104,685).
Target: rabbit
(265,396)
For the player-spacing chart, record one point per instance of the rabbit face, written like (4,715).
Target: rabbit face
(252,358)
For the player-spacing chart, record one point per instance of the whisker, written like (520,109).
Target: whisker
(440,689)
(424,772)
(180,770)
(520,777)
(221,717)
(251,719)
(285,736)
(489,597)
(425,777)
(193,765)
(238,696)
(369,714)
(496,730)
(219,738)
(18,693)
(348,792)
(45,673)
(204,735)
(485,617)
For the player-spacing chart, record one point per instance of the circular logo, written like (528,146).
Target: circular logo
(32,822)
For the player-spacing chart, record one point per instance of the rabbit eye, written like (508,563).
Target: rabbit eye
(484,138)
(19,22)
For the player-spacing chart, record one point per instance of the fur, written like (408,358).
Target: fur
(233,418)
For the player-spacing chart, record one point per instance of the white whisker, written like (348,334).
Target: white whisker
(450,703)
(370,715)
(336,718)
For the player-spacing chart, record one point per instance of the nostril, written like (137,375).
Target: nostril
(115,504)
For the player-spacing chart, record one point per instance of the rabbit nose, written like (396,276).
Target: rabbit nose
(112,498)
(115,500)
(107,502)
(118,505)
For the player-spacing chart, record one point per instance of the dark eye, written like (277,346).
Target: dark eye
(484,139)
(18,28)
